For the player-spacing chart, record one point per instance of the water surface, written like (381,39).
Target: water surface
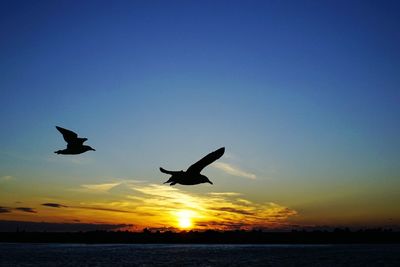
(197,255)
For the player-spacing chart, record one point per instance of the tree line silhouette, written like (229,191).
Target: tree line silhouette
(336,236)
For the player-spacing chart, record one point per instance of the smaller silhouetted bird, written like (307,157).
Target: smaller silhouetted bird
(192,175)
(74,143)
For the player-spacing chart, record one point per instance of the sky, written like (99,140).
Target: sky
(304,96)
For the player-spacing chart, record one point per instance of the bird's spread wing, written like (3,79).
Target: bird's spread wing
(210,158)
(80,141)
(70,137)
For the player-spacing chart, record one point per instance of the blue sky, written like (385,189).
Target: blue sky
(303,94)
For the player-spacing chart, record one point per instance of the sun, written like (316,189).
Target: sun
(185,222)
(184,218)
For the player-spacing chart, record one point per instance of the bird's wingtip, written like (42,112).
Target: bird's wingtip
(221,150)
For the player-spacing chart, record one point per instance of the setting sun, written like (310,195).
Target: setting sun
(185,219)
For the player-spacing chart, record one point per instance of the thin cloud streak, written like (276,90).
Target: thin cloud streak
(5,210)
(100,187)
(233,170)
(101,209)
(224,194)
(234,210)
(25,209)
(6,178)
(56,205)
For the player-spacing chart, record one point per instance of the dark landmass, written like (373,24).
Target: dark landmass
(27,226)
(337,236)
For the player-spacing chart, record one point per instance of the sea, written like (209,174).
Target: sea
(12,254)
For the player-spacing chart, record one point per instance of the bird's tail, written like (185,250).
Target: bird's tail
(168,172)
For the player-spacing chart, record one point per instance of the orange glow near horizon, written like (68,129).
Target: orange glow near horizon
(136,205)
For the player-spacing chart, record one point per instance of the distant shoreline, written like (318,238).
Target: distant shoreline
(207,237)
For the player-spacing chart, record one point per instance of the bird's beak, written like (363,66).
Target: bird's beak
(210,182)
(93,149)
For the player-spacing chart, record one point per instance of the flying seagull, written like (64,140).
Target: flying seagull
(74,143)
(192,175)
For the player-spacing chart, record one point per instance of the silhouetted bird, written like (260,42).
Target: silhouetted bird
(192,175)
(74,143)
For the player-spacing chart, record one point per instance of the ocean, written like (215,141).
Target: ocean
(12,254)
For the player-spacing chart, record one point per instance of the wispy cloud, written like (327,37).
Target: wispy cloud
(54,205)
(57,205)
(4,210)
(235,210)
(99,187)
(6,178)
(25,209)
(233,170)
(224,209)
(102,209)
(224,194)
(78,160)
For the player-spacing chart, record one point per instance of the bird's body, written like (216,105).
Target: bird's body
(74,150)
(74,143)
(192,175)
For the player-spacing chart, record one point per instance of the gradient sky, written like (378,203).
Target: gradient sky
(304,95)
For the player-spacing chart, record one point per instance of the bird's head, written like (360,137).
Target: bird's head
(204,179)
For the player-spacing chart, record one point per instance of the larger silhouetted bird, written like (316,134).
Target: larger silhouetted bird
(192,175)
(74,143)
